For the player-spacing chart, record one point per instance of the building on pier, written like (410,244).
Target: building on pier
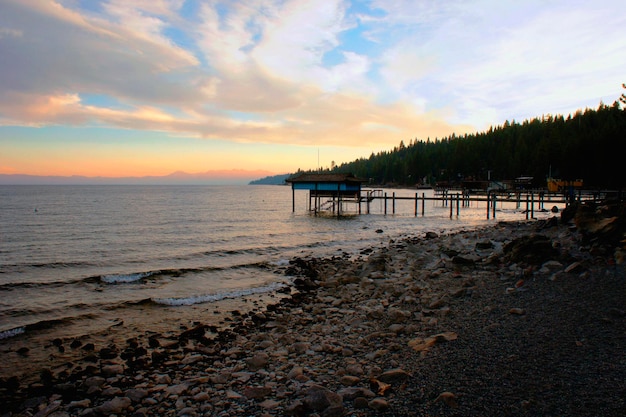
(328,192)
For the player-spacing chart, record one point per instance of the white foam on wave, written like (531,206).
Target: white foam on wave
(11,333)
(124,278)
(281,262)
(208,298)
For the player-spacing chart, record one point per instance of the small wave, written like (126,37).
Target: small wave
(12,333)
(20,267)
(37,284)
(46,324)
(208,298)
(281,262)
(125,278)
(61,321)
(174,272)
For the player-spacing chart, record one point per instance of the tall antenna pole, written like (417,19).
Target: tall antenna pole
(319,168)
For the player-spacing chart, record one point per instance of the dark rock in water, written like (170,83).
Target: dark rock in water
(259,318)
(486,244)
(158,357)
(304,284)
(554,209)
(128,353)
(90,370)
(284,290)
(132,342)
(108,352)
(431,235)
(89,347)
(172,345)
(379,230)
(460,260)
(138,363)
(153,342)
(450,253)
(10,384)
(303,267)
(91,358)
(75,344)
(57,342)
(533,249)
(46,376)
(23,351)
(66,389)
(272,307)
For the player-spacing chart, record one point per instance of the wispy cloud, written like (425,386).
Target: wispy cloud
(362,74)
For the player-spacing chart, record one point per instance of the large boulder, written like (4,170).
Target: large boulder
(604,222)
(531,249)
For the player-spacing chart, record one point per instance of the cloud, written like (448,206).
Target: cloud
(39,110)
(296,37)
(62,51)
(493,60)
(304,72)
(265,80)
(6,32)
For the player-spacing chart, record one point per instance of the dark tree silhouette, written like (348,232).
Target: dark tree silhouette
(589,144)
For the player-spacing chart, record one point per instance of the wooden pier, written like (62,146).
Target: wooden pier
(456,201)
(527,200)
(341,194)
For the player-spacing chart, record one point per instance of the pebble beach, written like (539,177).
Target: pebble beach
(515,319)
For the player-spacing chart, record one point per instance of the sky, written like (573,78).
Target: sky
(150,87)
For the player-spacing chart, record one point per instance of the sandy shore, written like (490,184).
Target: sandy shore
(515,319)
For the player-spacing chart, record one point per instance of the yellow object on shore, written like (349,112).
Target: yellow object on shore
(556,185)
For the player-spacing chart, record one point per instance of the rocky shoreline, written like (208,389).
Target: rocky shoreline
(514,319)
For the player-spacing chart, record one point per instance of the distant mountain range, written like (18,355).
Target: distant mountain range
(225,177)
(271,180)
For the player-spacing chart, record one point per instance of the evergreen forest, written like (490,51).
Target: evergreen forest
(588,145)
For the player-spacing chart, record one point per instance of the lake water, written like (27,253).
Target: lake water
(112,261)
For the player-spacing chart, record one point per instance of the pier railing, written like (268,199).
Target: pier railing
(529,200)
(381,201)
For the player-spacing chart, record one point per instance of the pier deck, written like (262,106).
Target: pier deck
(379,201)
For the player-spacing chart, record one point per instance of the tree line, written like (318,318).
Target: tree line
(588,145)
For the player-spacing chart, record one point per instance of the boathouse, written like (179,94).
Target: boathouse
(328,192)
